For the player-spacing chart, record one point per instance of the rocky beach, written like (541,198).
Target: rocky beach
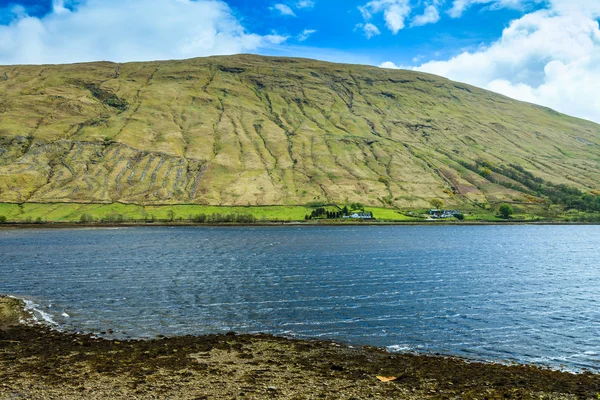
(37,362)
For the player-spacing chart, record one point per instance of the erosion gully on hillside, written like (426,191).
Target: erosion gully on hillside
(39,363)
(250,130)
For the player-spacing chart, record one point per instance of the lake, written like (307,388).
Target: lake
(498,293)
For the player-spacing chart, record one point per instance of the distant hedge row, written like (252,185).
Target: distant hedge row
(200,218)
(239,218)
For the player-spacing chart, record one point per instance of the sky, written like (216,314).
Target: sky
(541,51)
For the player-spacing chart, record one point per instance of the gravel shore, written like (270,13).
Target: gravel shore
(39,363)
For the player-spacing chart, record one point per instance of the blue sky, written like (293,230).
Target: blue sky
(336,22)
(337,37)
(542,51)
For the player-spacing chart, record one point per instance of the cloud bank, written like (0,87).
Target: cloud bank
(126,30)
(549,57)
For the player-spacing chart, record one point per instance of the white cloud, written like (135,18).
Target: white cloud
(369,29)
(389,65)
(305,34)
(274,38)
(118,30)
(305,4)
(58,6)
(284,10)
(395,12)
(395,16)
(587,7)
(429,16)
(549,57)
(460,6)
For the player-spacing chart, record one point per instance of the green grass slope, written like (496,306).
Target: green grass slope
(250,130)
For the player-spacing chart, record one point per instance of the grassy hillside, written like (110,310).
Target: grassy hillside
(249,130)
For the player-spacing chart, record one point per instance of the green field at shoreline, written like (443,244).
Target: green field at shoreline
(119,212)
(70,212)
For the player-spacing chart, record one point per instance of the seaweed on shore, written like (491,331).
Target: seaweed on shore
(37,362)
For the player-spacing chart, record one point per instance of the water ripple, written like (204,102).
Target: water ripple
(500,293)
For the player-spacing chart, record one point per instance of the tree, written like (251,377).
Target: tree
(171,215)
(201,218)
(358,206)
(437,203)
(506,211)
(485,172)
(2,219)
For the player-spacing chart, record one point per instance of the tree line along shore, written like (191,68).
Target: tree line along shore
(121,213)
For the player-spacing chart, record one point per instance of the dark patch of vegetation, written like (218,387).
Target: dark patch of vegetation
(387,200)
(86,218)
(316,204)
(224,218)
(506,211)
(113,218)
(300,102)
(593,218)
(322,213)
(100,121)
(369,81)
(569,197)
(437,204)
(259,84)
(400,80)
(105,96)
(181,78)
(2,219)
(463,88)
(231,70)
(357,206)
(389,95)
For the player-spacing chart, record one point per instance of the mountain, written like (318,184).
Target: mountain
(251,130)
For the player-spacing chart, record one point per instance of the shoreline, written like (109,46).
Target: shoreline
(71,225)
(32,316)
(37,362)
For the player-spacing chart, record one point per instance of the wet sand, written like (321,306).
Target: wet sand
(39,363)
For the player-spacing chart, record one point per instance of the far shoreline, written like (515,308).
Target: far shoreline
(73,225)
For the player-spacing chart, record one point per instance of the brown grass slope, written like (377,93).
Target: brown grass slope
(251,130)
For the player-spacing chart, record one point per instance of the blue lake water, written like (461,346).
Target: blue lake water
(500,293)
